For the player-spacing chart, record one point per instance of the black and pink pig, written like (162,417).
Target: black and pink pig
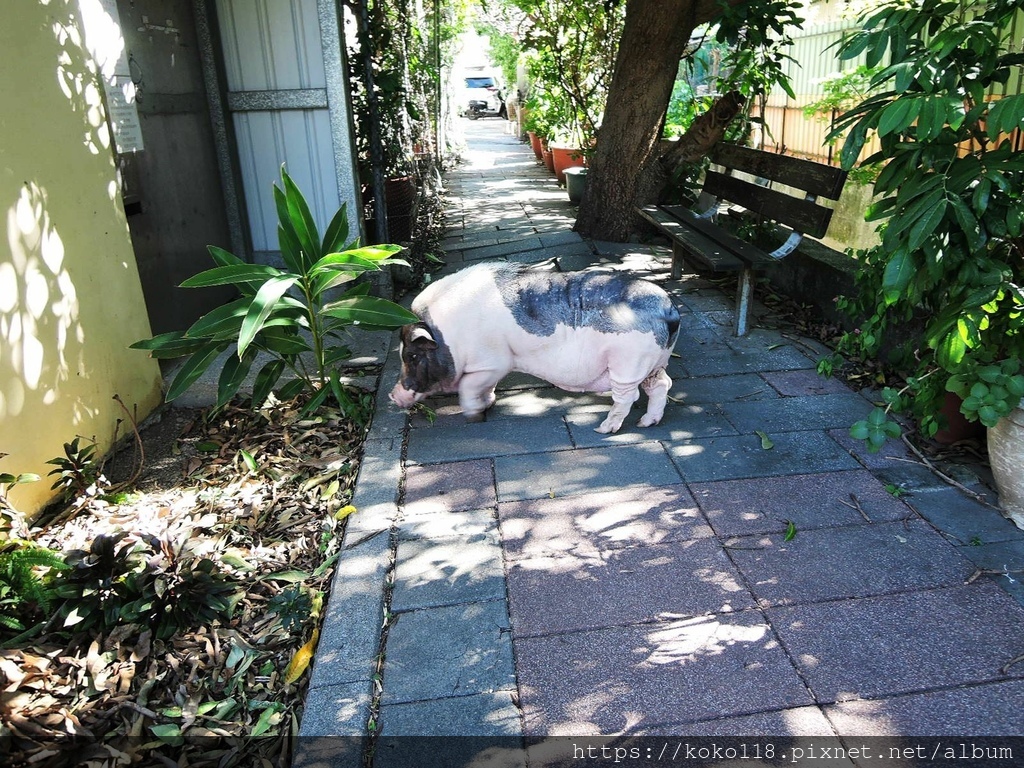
(591,331)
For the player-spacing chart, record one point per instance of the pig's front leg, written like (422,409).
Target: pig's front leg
(476,393)
(623,397)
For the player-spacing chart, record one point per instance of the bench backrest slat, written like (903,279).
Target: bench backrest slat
(816,178)
(802,215)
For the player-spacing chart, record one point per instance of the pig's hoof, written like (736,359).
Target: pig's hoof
(609,426)
(648,421)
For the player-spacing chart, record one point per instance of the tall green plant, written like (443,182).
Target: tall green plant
(943,289)
(286,314)
(572,45)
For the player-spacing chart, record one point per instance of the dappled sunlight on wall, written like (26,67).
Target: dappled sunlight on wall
(37,301)
(70,300)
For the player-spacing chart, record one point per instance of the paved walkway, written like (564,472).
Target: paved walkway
(537,578)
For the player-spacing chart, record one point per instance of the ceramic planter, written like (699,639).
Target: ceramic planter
(1006,456)
(575,183)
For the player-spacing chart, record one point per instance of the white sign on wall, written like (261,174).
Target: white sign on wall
(102,29)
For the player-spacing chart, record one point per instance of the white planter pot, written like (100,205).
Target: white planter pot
(1006,455)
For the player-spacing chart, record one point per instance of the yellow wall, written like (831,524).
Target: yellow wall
(70,300)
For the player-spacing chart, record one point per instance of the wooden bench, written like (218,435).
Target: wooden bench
(698,240)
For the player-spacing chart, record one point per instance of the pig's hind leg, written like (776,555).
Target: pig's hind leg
(657,386)
(623,397)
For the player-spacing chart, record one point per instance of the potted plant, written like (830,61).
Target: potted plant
(942,294)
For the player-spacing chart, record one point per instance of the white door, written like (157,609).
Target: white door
(287,95)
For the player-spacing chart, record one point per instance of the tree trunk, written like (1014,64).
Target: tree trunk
(654,38)
(698,141)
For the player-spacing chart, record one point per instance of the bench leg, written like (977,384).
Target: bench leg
(744,298)
(679,266)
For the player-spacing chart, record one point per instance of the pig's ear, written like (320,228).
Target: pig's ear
(420,336)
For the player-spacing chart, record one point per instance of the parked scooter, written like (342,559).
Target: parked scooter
(478,108)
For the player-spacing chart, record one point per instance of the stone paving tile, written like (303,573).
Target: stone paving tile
(728,458)
(444,752)
(599,521)
(502,249)
(906,643)
(584,470)
(805,382)
(778,724)
(448,525)
(574,591)
(708,300)
(436,653)
(858,561)
(893,454)
(350,632)
(962,518)
(448,487)
(682,671)
(721,389)
(447,442)
(792,414)
(680,422)
(337,710)
(1007,558)
(768,504)
(719,361)
(481,714)
(433,572)
(535,256)
(936,713)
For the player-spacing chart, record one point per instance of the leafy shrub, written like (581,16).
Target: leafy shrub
(123,579)
(285,314)
(26,595)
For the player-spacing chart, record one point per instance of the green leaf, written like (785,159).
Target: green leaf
(301,220)
(336,236)
(951,350)
(248,459)
(262,305)
(291,249)
(169,734)
(193,368)
(233,274)
(967,222)
(291,389)
(371,311)
(1005,115)
(268,717)
(375,252)
(231,377)
(899,115)
(927,224)
(898,272)
(790,531)
(226,317)
(265,380)
(169,345)
(766,443)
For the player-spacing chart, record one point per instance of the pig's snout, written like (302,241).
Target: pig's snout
(404,398)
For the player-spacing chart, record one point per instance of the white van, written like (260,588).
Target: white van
(480,96)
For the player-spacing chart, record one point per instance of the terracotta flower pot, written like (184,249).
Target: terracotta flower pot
(564,156)
(545,151)
(535,145)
